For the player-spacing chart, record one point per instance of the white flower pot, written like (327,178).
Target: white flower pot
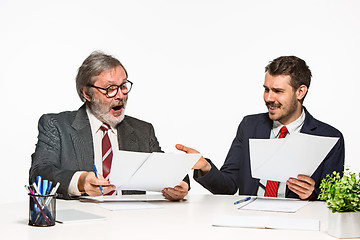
(344,224)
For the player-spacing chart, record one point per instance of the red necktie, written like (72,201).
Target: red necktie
(107,153)
(272,186)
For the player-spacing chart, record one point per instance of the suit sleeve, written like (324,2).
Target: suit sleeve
(46,160)
(153,142)
(334,161)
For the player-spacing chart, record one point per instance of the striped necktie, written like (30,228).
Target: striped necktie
(107,154)
(272,186)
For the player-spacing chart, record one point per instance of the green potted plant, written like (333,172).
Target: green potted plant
(342,196)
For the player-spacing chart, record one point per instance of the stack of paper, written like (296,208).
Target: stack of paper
(267,222)
(274,204)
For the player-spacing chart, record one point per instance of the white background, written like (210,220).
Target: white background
(197,67)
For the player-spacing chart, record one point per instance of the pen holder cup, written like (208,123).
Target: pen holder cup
(42,210)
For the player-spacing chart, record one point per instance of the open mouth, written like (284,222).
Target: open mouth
(117,109)
(273,107)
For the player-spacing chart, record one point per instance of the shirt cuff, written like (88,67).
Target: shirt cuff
(73,186)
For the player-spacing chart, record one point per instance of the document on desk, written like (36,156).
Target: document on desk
(274,205)
(267,222)
(124,198)
(150,171)
(116,206)
(279,159)
(75,216)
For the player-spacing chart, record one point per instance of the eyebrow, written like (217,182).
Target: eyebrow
(274,89)
(113,84)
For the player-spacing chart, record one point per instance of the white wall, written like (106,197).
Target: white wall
(198,67)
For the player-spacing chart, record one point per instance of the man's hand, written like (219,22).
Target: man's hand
(177,193)
(90,184)
(201,164)
(303,186)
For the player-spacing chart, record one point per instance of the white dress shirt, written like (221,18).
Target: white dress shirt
(97,135)
(275,132)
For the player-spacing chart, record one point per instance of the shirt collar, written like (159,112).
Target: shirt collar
(95,123)
(292,127)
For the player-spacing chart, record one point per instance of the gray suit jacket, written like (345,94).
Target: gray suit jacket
(65,145)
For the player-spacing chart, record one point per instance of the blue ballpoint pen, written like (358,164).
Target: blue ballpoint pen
(96,174)
(48,188)
(242,200)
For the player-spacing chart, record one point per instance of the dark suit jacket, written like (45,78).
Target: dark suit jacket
(65,145)
(235,174)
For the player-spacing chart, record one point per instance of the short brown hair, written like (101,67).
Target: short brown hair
(290,65)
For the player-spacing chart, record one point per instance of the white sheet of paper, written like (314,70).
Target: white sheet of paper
(116,206)
(279,159)
(125,198)
(275,205)
(150,171)
(124,165)
(75,216)
(267,222)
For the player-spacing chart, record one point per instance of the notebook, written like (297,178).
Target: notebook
(74,216)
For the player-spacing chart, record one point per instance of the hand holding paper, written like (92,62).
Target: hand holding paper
(280,159)
(303,186)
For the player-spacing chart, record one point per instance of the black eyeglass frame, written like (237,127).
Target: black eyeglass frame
(117,89)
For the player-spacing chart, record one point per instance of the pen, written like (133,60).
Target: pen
(38,182)
(48,188)
(44,186)
(242,200)
(53,191)
(36,188)
(96,174)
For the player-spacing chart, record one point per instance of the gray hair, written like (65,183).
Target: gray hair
(92,67)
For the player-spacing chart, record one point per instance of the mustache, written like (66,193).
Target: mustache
(273,104)
(121,102)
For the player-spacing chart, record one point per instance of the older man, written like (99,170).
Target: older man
(287,80)
(69,143)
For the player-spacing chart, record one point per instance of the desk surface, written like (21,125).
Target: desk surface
(187,219)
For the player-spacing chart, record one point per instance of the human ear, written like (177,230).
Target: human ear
(86,94)
(301,92)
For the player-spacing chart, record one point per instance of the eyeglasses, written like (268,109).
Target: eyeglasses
(112,90)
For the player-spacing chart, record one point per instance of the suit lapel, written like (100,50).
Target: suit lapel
(127,137)
(82,140)
(264,129)
(309,124)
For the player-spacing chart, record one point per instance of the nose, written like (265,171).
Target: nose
(120,95)
(268,96)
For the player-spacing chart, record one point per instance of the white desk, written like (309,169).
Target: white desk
(190,219)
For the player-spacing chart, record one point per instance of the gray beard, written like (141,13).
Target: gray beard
(104,116)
